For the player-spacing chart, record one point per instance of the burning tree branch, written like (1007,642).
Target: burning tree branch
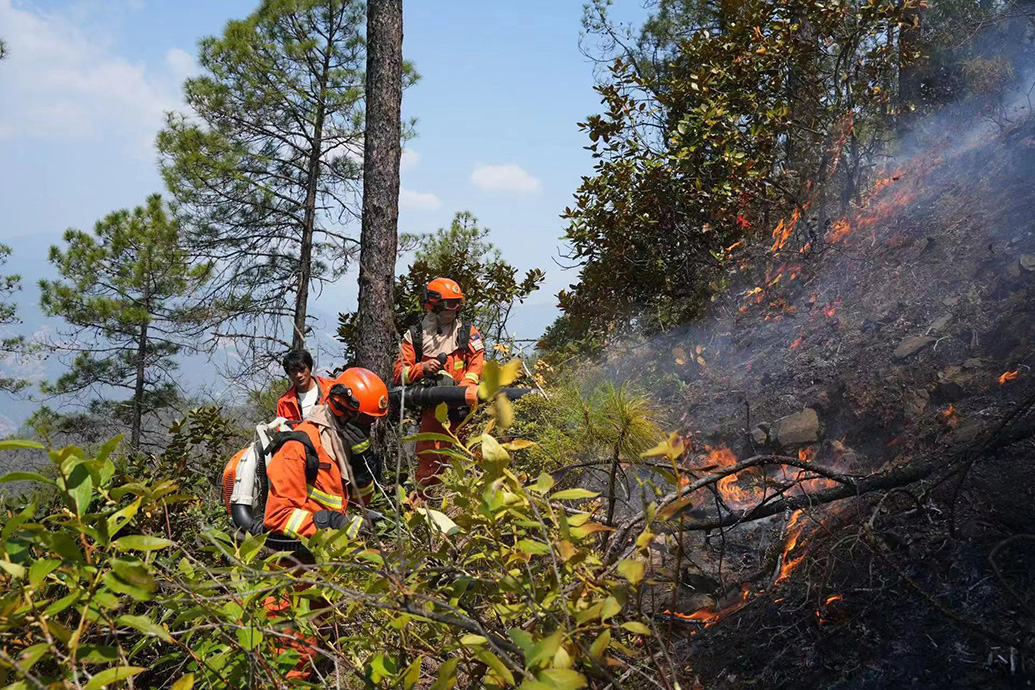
(1004,434)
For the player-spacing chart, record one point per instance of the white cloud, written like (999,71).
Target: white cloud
(418,201)
(181,64)
(505,178)
(62,81)
(410,159)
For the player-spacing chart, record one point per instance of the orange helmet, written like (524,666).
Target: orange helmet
(440,292)
(359,390)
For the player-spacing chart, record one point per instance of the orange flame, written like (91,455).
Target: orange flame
(709,616)
(727,486)
(806,454)
(840,230)
(782,232)
(789,564)
(949,412)
(832,598)
(797,342)
(1008,376)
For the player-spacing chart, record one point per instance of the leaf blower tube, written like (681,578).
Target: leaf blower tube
(453,396)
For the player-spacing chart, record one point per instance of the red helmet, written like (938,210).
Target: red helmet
(440,292)
(359,390)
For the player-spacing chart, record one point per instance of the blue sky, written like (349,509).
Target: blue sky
(503,86)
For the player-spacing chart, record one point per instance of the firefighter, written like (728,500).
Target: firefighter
(307,391)
(310,474)
(309,477)
(441,350)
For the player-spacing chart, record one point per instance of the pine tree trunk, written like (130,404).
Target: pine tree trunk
(305,255)
(377,343)
(138,390)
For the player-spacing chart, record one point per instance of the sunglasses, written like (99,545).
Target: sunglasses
(341,395)
(450,304)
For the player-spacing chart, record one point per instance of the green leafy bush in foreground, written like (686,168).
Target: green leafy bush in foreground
(504,586)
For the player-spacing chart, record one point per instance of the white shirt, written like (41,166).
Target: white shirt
(309,399)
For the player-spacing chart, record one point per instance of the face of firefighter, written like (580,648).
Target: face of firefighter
(302,379)
(447,311)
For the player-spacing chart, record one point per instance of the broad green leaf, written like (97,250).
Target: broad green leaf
(504,411)
(510,372)
(446,675)
(412,674)
(20,444)
(493,662)
(631,570)
(544,649)
(79,486)
(141,542)
(600,645)
(562,678)
(522,639)
(39,570)
(184,683)
(636,627)
(573,494)
(471,640)
(134,573)
(116,584)
(543,484)
(439,521)
(533,547)
(110,675)
(145,625)
(13,569)
(121,518)
(26,477)
(249,638)
(492,451)
(518,444)
(442,414)
(590,528)
(611,608)
(30,655)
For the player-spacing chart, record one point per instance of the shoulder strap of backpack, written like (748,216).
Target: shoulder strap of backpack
(417,336)
(312,459)
(465,336)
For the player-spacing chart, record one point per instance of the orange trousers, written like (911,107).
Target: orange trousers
(430,462)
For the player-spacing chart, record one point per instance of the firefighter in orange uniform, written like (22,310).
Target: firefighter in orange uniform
(444,349)
(308,481)
(310,471)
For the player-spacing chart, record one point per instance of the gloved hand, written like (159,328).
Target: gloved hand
(365,465)
(324,519)
(332,519)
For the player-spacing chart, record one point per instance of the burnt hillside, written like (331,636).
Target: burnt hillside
(892,348)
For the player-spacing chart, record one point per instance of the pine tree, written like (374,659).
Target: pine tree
(11,347)
(464,253)
(267,168)
(132,293)
(380,239)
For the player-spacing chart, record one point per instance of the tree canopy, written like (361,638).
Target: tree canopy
(131,293)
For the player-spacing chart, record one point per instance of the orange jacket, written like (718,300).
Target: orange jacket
(288,405)
(464,366)
(291,502)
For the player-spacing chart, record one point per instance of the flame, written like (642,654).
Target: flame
(840,230)
(783,230)
(797,342)
(709,616)
(789,564)
(832,598)
(727,486)
(806,454)
(949,412)
(1008,376)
